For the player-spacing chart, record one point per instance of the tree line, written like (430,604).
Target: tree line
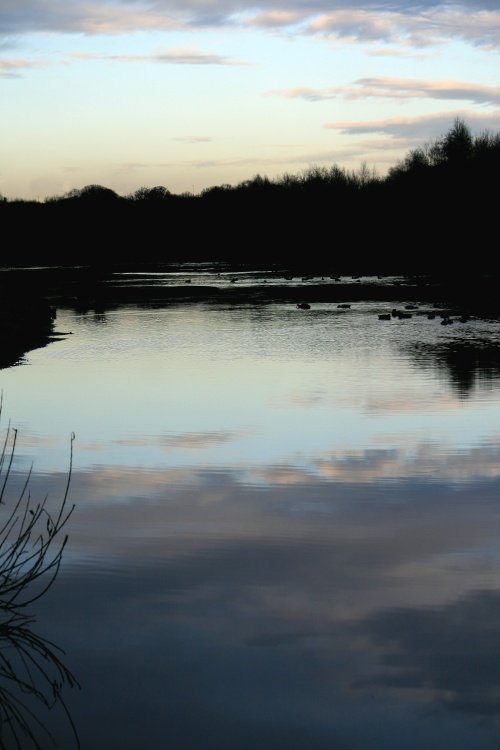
(431,208)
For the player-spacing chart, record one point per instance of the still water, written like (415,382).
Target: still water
(287,525)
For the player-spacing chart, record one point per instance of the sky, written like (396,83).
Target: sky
(193,93)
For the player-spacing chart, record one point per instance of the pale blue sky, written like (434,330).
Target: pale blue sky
(199,93)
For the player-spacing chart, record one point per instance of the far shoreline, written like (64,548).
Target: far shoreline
(30,296)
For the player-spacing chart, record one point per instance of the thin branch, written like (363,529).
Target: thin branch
(31,549)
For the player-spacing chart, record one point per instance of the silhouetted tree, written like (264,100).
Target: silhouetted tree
(415,162)
(94,193)
(445,185)
(454,148)
(158,193)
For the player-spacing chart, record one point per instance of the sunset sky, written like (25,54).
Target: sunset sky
(193,93)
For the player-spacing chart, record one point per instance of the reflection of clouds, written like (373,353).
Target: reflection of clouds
(306,399)
(197,440)
(181,441)
(284,475)
(424,460)
(34,440)
(249,677)
(220,597)
(407,401)
(350,532)
(395,399)
(453,651)
(393,458)
(122,484)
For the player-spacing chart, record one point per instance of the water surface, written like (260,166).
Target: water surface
(286,526)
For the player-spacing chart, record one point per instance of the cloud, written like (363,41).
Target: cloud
(173,56)
(194,139)
(364,21)
(7,44)
(394,52)
(304,92)
(14,68)
(405,27)
(178,57)
(28,16)
(419,127)
(275,19)
(364,25)
(400,88)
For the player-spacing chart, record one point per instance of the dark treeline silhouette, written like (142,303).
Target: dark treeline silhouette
(433,205)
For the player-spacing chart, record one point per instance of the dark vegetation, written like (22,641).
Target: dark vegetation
(32,673)
(435,204)
(26,321)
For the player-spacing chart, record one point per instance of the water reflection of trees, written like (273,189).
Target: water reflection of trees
(32,674)
(466,363)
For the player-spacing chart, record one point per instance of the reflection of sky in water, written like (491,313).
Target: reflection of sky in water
(286,531)
(223,278)
(231,387)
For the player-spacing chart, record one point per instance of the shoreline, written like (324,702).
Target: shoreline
(28,297)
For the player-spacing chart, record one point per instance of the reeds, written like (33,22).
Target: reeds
(32,674)
(31,546)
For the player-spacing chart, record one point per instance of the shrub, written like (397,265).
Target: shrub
(31,547)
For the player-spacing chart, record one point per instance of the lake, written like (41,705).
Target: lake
(286,526)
